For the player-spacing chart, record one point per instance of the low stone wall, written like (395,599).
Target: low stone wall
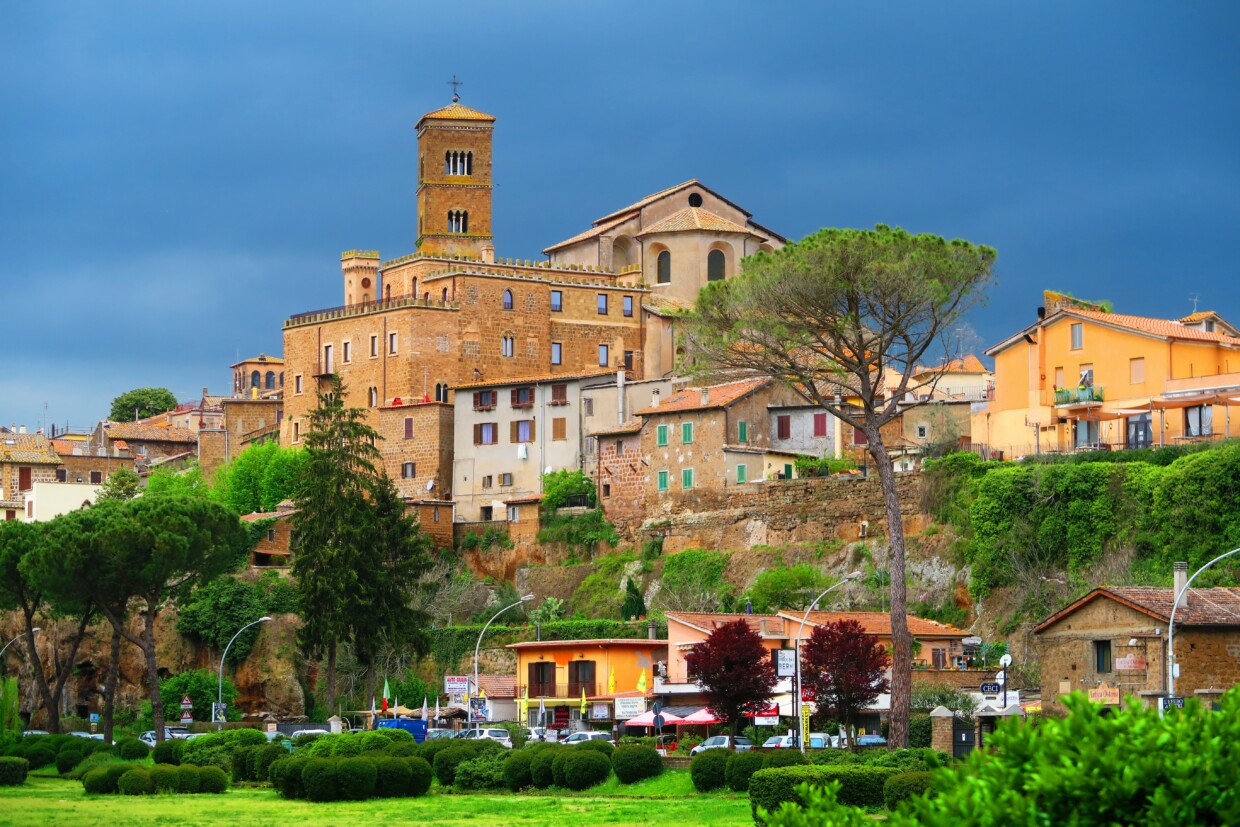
(966,679)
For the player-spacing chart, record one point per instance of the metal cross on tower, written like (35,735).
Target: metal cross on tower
(454,83)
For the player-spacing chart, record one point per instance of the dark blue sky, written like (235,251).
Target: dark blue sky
(176,179)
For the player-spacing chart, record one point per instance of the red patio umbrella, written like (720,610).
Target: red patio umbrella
(702,716)
(647,719)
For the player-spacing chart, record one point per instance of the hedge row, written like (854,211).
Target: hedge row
(253,763)
(350,779)
(859,786)
(134,780)
(13,771)
(905,785)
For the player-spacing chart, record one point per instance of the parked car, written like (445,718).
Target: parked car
(434,734)
(779,742)
(871,741)
(308,732)
(170,732)
(722,742)
(582,737)
(820,740)
(80,734)
(542,733)
(28,732)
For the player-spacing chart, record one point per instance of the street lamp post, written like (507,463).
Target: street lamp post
(478,646)
(14,640)
(219,698)
(1171,625)
(848,578)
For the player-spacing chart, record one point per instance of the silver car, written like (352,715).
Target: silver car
(721,742)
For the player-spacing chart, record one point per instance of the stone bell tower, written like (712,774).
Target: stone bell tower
(454,181)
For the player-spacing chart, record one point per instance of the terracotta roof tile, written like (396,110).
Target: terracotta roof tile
(540,379)
(631,427)
(649,199)
(1206,607)
(29,449)
(879,623)
(695,218)
(1159,327)
(456,112)
(591,233)
(1200,315)
(709,621)
(969,364)
(139,432)
(701,399)
(499,686)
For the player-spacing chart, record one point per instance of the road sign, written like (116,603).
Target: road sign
(186,703)
(805,717)
(658,721)
(1005,661)
(187,717)
(991,689)
(219,713)
(1168,703)
(658,707)
(94,717)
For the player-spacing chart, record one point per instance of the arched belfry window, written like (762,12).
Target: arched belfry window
(665,268)
(464,221)
(256,380)
(270,380)
(458,221)
(715,264)
(508,300)
(447,163)
(469,163)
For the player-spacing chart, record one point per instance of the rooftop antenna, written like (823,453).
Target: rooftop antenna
(454,83)
(1193,298)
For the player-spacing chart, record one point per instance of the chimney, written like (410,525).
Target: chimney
(21,429)
(654,398)
(537,630)
(620,412)
(488,253)
(204,393)
(652,631)
(762,626)
(705,396)
(1180,581)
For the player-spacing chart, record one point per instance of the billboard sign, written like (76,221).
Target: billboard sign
(456,684)
(785,663)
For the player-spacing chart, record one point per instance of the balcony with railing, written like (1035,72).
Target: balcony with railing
(1224,383)
(571,689)
(1078,396)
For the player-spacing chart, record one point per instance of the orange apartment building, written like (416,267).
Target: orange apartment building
(1082,378)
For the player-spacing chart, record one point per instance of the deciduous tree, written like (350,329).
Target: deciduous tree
(845,669)
(142,401)
(846,318)
(734,670)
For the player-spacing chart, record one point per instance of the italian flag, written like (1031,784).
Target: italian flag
(386,692)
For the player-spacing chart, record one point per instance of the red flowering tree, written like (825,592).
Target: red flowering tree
(845,669)
(734,671)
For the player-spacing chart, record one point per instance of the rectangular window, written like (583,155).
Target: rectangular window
(628,305)
(523,397)
(663,480)
(820,424)
(1102,656)
(96,477)
(588,405)
(374,345)
(521,430)
(742,431)
(922,431)
(1059,377)
(488,481)
(783,426)
(1078,336)
(602,304)
(407,470)
(484,433)
(1136,371)
(686,433)
(661,436)
(1087,377)
(346,350)
(603,359)
(559,428)
(328,364)
(485,513)
(409,427)
(296,431)
(505,479)
(484,400)
(513,511)
(297,383)
(557,301)
(686,478)
(741,474)
(62,475)
(859,437)
(559,394)
(392,344)
(557,353)
(606,489)
(628,360)
(1199,420)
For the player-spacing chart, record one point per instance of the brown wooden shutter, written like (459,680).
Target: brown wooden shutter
(533,429)
(477,398)
(409,427)
(559,428)
(477,433)
(514,393)
(785,426)
(512,431)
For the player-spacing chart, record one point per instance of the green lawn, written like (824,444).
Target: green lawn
(669,799)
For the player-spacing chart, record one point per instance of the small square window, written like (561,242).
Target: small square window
(513,512)
(488,481)
(603,357)
(346,350)
(922,431)
(392,343)
(505,479)
(628,360)
(297,383)
(271,535)
(1102,656)
(557,353)
(407,470)
(374,345)
(606,489)
(663,475)
(1078,336)
(628,305)
(742,431)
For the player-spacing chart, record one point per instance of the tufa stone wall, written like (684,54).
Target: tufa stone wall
(428,446)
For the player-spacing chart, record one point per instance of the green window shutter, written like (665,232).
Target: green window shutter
(743,431)
(686,433)
(740,472)
(662,480)
(662,436)
(686,478)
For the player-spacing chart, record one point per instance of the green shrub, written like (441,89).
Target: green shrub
(540,767)
(102,781)
(517,774)
(370,741)
(793,758)
(486,772)
(909,760)
(636,762)
(585,768)
(241,764)
(212,780)
(40,756)
(742,765)
(392,777)
(403,749)
(709,769)
(604,747)
(420,783)
(164,778)
(13,771)
(318,778)
(429,749)
(67,759)
(261,759)
(131,749)
(189,777)
(446,762)
(135,782)
(559,766)
(285,776)
(395,734)
(356,778)
(169,751)
(905,785)
(920,731)
(347,746)
(93,762)
(859,786)
(321,747)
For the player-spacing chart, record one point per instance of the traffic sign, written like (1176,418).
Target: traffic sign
(94,717)
(991,689)
(1168,703)
(186,703)
(187,717)
(658,721)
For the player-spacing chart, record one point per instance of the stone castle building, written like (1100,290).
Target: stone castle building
(414,328)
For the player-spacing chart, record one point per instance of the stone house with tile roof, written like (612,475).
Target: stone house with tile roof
(147,444)
(1112,643)
(24,460)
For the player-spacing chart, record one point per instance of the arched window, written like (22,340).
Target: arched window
(451,221)
(270,380)
(445,295)
(508,300)
(441,392)
(387,292)
(469,163)
(256,380)
(413,288)
(464,221)
(715,263)
(281,378)
(374,397)
(447,163)
(665,268)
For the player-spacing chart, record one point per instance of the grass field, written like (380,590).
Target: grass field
(666,800)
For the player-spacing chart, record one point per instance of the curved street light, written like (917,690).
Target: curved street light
(219,698)
(848,578)
(478,646)
(1171,625)
(14,640)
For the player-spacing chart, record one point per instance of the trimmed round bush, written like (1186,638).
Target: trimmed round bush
(188,778)
(740,767)
(17,750)
(164,778)
(319,779)
(635,762)
(356,777)
(604,747)
(484,772)
(320,747)
(347,746)
(859,786)
(709,770)
(397,735)
(285,776)
(13,771)
(392,777)
(169,751)
(420,783)
(135,782)
(40,756)
(905,785)
(93,762)
(446,762)
(371,741)
(131,749)
(585,768)
(429,749)
(540,767)
(95,782)
(212,780)
(402,749)
(790,758)
(559,766)
(261,759)
(241,764)
(517,770)
(67,759)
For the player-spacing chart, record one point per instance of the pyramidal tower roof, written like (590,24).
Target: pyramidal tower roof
(455,111)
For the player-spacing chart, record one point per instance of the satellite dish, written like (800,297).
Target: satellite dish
(430,484)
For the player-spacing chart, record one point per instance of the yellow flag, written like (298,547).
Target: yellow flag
(611,682)
(482,693)
(583,701)
(641,682)
(523,705)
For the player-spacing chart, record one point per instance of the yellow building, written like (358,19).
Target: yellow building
(1082,378)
